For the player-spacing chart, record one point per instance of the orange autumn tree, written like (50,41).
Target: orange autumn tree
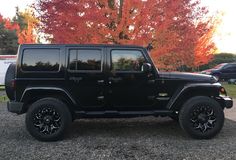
(204,48)
(174,27)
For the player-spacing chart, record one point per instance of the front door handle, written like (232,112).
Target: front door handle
(75,79)
(115,79)
(100,98)
(151,81)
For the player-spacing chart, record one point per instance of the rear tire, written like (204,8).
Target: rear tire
(10,75)
(47,119)
(201,117)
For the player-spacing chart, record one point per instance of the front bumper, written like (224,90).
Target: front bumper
(15,107)
(227,102)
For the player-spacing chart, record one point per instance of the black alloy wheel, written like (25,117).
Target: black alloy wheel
(47,119)
(201,117)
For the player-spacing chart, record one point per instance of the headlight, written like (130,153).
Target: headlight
(207,72)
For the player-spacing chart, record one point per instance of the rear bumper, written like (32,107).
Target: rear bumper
(15,107)
(226,101)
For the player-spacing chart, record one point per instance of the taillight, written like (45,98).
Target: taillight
(13,84)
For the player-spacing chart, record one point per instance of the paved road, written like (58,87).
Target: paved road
(136,138)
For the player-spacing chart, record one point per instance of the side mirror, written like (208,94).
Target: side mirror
(146,67)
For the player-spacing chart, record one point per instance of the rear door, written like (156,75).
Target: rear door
(86,77)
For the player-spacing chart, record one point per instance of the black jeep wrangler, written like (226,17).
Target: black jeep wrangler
(56,84)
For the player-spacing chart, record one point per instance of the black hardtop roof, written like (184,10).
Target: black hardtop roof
(80,45)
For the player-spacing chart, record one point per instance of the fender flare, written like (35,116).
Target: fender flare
(206,88)
(54,89)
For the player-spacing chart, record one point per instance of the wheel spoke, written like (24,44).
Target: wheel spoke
(211,121)
(204,128)
(193,120)
(210,126)
(44,129)
(40,125)
(38,116)
(53,127)
(199,126)
(210,113)
(57,119)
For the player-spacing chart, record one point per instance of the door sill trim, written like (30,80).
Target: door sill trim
(115,114)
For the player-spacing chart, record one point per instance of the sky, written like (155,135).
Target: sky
(8,7)
(225,37)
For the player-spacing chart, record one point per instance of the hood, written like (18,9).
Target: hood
(196,77)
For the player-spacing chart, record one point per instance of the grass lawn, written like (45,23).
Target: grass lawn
(2,88)
(3,98)
(231,89)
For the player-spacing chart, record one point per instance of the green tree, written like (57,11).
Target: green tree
(8,40)
(218,59)
(20,19)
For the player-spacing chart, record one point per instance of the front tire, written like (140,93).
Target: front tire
(47,119)
(201,117)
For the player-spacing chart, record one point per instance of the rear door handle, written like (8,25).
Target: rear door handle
(101,81)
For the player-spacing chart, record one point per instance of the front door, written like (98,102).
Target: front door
(86,77)
(129,87)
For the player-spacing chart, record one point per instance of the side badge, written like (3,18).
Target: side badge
(162,94)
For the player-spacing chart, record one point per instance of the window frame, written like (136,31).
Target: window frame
(126,49)
(34,48)
(84,71)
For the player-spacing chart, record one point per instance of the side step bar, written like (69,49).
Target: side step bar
(117,114)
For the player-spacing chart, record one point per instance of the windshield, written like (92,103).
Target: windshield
(149,55)
(220,66)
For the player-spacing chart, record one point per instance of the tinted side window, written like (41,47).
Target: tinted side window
(85,59)
(230,67)
(127,60)
(233,68)
(41,60)
(226,67)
